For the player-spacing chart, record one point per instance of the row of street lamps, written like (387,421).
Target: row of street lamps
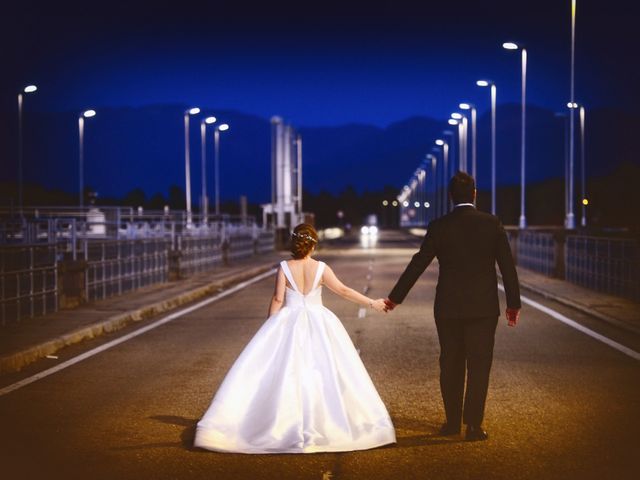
(461,121)
(92,113)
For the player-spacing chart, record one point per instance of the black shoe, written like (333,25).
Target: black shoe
(449,429)
(475,434)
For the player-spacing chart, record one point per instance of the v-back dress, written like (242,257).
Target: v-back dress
(299,386)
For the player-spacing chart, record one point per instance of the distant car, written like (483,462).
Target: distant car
(370,226)
(369,230)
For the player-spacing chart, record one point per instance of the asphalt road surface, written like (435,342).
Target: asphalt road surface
(561,404)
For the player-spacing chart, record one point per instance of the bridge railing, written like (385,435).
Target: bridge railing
(49,262)
(605,264)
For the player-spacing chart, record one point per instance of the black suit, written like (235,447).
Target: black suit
(467,243)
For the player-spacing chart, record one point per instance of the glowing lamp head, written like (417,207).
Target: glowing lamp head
(194,111)
(405,204)
(453,121)
(427,204)
(416,204)
(394,203)
(465,106)
(385,203)
(210,120)
(224,127)
(482,83)
(456,116)
(89,113)
(30,89)
(585,202)
(510,46)
(572,105)
(440,142)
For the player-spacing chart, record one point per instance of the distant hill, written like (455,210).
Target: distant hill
(143,147)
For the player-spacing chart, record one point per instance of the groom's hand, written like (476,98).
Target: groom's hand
(388,305)
(513,314)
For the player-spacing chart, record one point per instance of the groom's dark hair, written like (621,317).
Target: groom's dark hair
(462,188)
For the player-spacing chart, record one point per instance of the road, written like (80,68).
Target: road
(561,405)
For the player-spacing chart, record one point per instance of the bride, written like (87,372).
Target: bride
(299,385)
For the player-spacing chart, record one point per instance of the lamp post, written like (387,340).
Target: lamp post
(462,138)
(187,167)
(472,108)
(83,115)
(27,89)
(584,202)
(445,160)
(203,155)
(487,83)
(565,122)
(513,46)
(216,141)
(452,147)
(570,220)
(433,160)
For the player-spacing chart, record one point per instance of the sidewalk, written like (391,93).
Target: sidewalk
(618,311)
(33,338)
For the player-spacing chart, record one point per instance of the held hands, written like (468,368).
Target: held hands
(513,314)
(378,305)
(388,305)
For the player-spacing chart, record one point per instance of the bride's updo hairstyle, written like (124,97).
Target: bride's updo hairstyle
(303,240)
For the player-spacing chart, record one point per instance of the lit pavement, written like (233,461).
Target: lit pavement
(561,404)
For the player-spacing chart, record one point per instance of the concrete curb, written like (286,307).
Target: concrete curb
(621,324)
(17,361)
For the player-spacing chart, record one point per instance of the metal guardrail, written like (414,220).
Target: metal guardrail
(605,264)
(536,251)
(28,281)
(118,266)
(115,250)
(608,265)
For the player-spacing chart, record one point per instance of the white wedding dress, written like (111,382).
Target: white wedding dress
(299,386)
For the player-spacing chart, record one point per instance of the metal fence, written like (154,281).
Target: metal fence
(116,249)
(536,251)
(609,265)
(28,281)
(118,266)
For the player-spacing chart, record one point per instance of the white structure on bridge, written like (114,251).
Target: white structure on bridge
(285,210)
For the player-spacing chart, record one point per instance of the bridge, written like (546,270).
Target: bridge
(114,387)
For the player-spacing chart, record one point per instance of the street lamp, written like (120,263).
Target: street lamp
(462,138)
(584,202)
(216,141)
(472,108)
(203,155)
(514,46)
(487,83)
(445,159)
(27,89)
(570,220)
(83,115)
(433,161)
(187,167)
(452,145)
(565,122)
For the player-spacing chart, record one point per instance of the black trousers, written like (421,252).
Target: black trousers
(466,347)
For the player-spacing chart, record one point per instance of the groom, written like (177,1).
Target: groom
(467,243)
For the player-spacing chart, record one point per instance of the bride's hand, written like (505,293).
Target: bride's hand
(378,305)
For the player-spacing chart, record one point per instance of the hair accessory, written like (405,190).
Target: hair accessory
(305,236)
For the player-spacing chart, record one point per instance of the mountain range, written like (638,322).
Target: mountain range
(128,148)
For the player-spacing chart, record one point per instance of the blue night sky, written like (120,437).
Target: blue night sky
(317,64)
(329,65)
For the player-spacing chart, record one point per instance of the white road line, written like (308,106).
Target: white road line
(573,324)
(113,343)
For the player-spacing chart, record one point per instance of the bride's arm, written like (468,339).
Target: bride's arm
(278,293)
(335,285)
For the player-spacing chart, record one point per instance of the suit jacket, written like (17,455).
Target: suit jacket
(467,243)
